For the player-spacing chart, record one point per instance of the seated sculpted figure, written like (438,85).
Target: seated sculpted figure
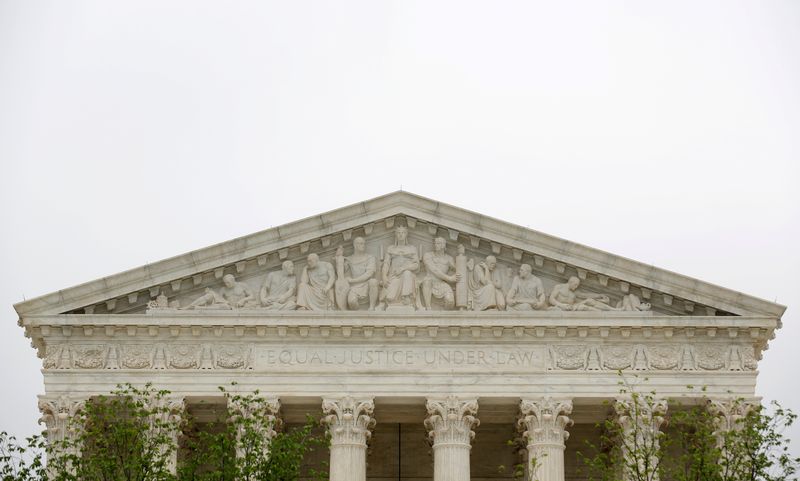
(233,295)
(566,298)
(438,265)
(278,291)
(399,272)
(631,302)
(315,291)
(526,292)
(355,283)
(486,286)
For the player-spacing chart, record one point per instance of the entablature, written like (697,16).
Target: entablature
(569,341)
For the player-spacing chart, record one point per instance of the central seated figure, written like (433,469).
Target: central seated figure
(399,273)
(438,278)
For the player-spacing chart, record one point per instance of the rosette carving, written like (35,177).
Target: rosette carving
(570,357)
(184,356)
(711,357)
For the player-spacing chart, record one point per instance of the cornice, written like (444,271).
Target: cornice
(371,319)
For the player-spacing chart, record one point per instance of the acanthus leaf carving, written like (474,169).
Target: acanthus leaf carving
(545,420)
(451,420)
(349,420)
(58,415)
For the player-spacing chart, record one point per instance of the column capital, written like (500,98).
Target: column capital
(728,413)
(349,420)
(450,420)
(58,413)
(260,414)
(168,408)
(640,413)
(545,420)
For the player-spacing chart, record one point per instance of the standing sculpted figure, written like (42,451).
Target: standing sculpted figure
(355,282)
(315,291)
(486,286)
(526,292)
(438,265)
(278,291)
(566,298)
(398,274)
(233,295)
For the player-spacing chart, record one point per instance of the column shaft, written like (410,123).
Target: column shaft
(257,418)
(59,416)
(167,415)
(640,418)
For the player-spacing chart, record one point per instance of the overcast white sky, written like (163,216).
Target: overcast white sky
(131,131)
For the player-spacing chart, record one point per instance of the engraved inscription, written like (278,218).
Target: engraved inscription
(380,358)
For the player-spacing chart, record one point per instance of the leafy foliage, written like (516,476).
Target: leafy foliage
(702,445)
(238,447)
(21,461)
(133,434)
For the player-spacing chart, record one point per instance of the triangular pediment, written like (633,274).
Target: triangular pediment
(185,278)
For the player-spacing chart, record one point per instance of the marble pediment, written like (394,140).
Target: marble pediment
(237,276)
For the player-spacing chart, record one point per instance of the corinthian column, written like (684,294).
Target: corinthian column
(545,421)
(61,420)
(640,419)
(729,416)
(164,425)
(349,422)
(449,423)
(256,419)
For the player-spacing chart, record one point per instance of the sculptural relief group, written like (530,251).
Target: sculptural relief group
(402,280)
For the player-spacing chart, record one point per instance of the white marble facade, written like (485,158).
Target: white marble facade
(395,305)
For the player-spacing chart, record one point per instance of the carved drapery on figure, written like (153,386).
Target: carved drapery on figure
(640,421)
(486,286)
(526,292)
(566,297)
(232,295)
(349,423)
(438,278)
(544,422)
(261,415)
(355,282)
(278,293)
(450,424)
(399,273)
(403,279)
(315,291)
